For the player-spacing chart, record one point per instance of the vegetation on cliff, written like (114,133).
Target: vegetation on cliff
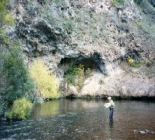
(14,78)
(46,83)
(16,81)
(121,2)
(6,18)
(75,75)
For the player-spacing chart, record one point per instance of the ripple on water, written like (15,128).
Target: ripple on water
(82,120)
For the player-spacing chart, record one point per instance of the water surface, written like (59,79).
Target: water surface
(84,120)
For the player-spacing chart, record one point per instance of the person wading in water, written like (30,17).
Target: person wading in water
(111,106)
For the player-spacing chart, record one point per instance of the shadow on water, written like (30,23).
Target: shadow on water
(84,120)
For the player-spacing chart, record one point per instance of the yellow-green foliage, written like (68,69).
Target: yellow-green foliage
(21,109)
(2,9)
(80,75)
(130,60)
(133,63)
(139,23)
(47,84)
(9,19)
(6,17)
(3,35)
(76,75)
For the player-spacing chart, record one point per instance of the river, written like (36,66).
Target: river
(79,119)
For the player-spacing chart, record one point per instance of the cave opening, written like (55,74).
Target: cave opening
(86,62)
(75,71)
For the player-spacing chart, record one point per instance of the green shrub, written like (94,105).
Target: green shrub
(71,74)
(3,37)
(121,2)
(21,109)
(3,10)
(133,63)
(17,77)
(6,17)
(47,84)
(9,19)
(10,65)
(75,75)
(81,75)
(139,23)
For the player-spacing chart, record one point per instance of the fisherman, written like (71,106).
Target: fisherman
(111,106)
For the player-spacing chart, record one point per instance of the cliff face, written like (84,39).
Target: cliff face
(98,32)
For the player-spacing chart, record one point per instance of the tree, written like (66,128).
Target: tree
(19,83)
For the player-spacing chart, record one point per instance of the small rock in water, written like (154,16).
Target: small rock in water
(144,131)
(147,131)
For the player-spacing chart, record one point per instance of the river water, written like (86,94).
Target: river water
(84,120)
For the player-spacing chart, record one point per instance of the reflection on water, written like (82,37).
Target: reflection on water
(111,124)
(48,109)
(84,120)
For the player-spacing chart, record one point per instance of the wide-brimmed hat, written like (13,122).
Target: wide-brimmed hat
(109,98)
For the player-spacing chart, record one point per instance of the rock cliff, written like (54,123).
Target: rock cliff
(102,33)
